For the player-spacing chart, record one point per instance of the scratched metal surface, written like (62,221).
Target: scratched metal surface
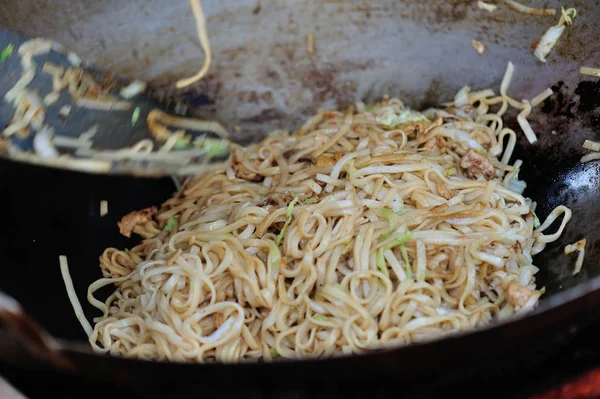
(262,76)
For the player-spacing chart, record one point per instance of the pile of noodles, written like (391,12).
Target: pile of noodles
(368,227)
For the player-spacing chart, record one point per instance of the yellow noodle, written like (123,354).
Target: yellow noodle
(390,238)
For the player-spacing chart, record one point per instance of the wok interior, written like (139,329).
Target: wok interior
(61,215)
(421,53)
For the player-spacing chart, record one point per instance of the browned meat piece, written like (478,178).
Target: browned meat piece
(435,143)
(327,160)
(443,191)
(476,164)
(241,171)
(280,198)
(132,219)
(518,295)
(412,128)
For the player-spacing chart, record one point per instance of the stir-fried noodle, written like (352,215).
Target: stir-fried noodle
(368,227)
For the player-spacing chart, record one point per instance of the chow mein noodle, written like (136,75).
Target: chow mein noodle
(366,228)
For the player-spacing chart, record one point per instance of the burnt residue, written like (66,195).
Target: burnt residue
(446,11)
(560,102)
(583,102)
(265,115)
(433,94)
(202,94)
(257,8)
(589,93)
(567,118)
(231,54)
(555,176)
(326,82)
(255,96)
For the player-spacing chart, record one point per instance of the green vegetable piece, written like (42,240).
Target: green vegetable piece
(273,352)
(135,116)
(309,201)
(288,214)
(536,221)
(275,256)
(380,262)
(405,257)
(171,224)
(214,148)
(182,144)
(7,52)
(400,240)
(389,215)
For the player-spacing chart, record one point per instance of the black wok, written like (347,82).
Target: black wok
(49,212)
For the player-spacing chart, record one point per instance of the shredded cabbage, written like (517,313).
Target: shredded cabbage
(275,256)
(406,261)
(549,39)
(400,240)
(214,147)
(288,215)
(380,262)
(536,221)
(133,89)
(171,224)
(459,135)
(398,205)
(309,201)
(462,97)
(390,119)
(182,144)
(389,215)
(43,145)
(518,186)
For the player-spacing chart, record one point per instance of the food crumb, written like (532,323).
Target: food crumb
(103,208)
(310,43)
(479,47)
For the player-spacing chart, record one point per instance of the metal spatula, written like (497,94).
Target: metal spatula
(114,140)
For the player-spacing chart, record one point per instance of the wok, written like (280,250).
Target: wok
(264,78)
